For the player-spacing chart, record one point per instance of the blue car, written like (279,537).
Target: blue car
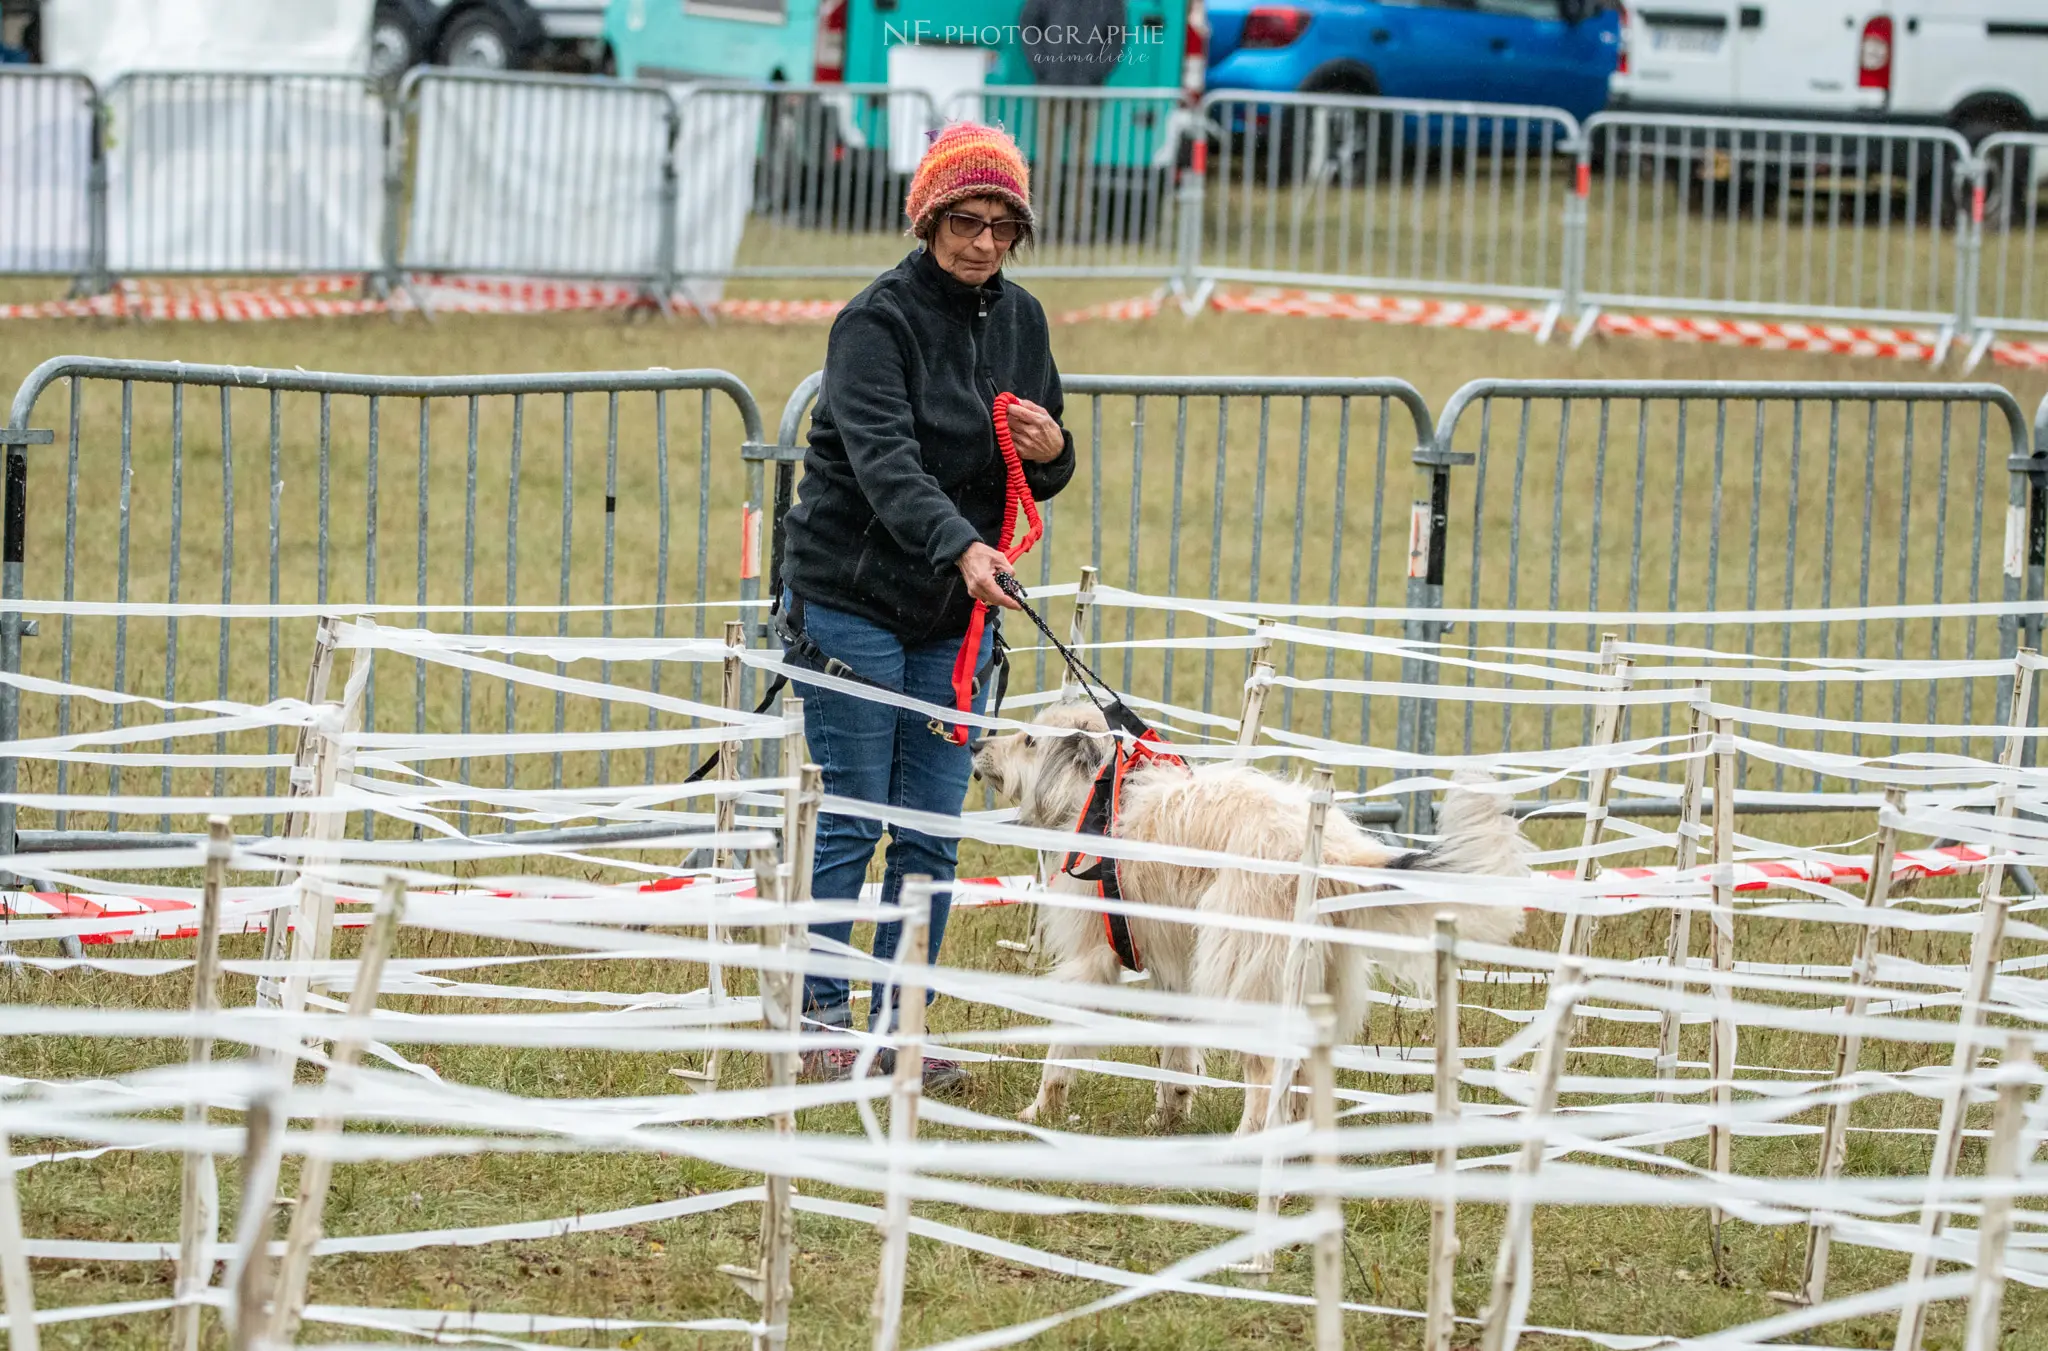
(1549,53)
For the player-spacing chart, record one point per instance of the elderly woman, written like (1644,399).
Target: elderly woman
(891,541)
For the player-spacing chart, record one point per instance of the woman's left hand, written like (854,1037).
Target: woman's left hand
(1035,433)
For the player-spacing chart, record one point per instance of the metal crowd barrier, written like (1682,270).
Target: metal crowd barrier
(165,482)
(1811,220)
(796,180)
(1748,498)
(1736,500)
(693,185)
(272,173)
(1105,184)
(52,180)
(2014,295)
(1404,194)
(540,175)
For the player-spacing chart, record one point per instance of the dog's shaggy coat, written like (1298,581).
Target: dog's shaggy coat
(1235,810)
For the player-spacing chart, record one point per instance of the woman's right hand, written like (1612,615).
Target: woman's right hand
(979,564)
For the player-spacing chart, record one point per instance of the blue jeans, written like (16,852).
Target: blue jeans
(881,754)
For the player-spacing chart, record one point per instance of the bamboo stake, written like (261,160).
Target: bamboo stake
(1443,1212)
(1329,1258)
(341,771)
(1723,1049)
(318,1169)
(1678,948)
(199,1189)
(1077,630)
(14,1275)
(260,1157)
(1984,946)
(1513,1266)
(2002,1163)
(1577,938)
(310,890)
(1834,1138)
(276,930)
(1252,712)
(905,1089)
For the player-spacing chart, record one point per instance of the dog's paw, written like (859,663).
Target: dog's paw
(1163,1122)
(1029,1116)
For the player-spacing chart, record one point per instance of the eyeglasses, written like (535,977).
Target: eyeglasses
(964,226)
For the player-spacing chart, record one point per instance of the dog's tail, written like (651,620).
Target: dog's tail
(1478,833)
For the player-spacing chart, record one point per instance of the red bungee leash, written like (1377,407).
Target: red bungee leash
(1016,497)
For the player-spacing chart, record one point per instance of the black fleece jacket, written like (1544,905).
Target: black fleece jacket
(903,471)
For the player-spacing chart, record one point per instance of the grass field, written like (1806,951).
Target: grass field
(1618,1268)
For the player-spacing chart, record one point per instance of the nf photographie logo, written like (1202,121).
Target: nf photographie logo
(1085,41)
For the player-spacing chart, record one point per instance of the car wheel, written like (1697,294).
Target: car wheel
(394,46)
(482,39)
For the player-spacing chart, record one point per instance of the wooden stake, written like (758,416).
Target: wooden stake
(1253,711)
(318,1169)
(15,1284)
(1513,1265)
(1577,938)
(1720,1139)
(1678,948)
(2002,1162)
(706,1079)
(310,891)
(1302,979)
(1984,946)
(276,929)
(1834,1137)
(768,1280)
(1322,1089)
(248,1275)
(794,754)
(341,771)
(1077,630)
(905,1089)
(1443,1212)
(199,1189)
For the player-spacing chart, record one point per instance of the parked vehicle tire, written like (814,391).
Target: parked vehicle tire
(396,44)
(484,38)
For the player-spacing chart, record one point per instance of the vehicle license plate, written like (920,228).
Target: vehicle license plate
(1687,41)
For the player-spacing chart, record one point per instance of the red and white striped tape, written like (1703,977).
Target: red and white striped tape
(1752,875)
(88,905)
(325,297)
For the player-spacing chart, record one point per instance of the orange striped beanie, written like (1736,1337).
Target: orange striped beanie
(967,160)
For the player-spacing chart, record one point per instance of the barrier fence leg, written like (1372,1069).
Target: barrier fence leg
(1678,947)
(905,1089)
(315,1172)
(1722,1050)
(1984,946)
(1513,1265)
(1443,1212)
(199,1189)
(1571,282)
(1969,267)
(1329,1258)
(249,1276)
(2003,1162)
(1834,1139)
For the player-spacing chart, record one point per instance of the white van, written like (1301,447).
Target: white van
(1976,65)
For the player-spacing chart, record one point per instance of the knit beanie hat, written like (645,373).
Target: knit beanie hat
(967,160)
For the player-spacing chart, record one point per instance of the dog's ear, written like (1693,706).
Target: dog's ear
(1080,752)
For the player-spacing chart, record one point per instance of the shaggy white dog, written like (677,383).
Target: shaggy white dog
(1235,810)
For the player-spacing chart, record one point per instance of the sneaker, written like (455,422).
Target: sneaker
(940,1076)
(827,1066)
